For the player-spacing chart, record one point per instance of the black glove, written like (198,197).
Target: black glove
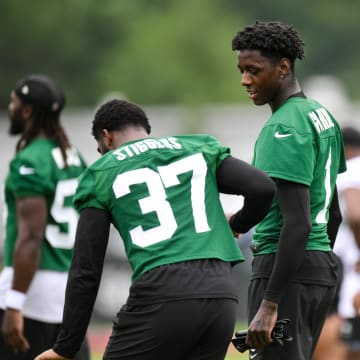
(278,335)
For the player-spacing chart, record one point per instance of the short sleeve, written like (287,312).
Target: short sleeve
(86,194)
(29,177)
(284,153)
(215,147)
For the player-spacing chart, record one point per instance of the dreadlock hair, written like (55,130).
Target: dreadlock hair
(52,129)
(273,39)
(46,100)
(117,115)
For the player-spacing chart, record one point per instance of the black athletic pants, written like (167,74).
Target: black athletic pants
(306,305)
(41,336)
(196,329)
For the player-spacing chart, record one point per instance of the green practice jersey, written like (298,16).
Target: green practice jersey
(163,199)
(301,142)
(38,170)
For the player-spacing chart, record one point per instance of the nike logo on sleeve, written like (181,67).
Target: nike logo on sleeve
(24,170)
(278,135)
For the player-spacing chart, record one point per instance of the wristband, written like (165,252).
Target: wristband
(15,299)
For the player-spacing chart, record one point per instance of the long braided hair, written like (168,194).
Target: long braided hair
(46,100)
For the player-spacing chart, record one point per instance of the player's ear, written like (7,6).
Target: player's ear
(107,136)
(284,67)
(27,111)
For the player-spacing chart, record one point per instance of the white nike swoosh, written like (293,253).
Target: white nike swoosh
(278,135)
(253,354)
(24,170)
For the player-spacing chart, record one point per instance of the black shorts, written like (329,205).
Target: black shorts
(305,304)
(41,336)
(184,329)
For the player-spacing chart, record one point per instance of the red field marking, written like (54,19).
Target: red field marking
(98,339)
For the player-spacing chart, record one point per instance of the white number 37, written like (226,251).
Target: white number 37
(157,181)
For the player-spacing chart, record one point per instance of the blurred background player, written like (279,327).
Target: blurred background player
(162,195)
(294,271)
(40,223)
(347,247)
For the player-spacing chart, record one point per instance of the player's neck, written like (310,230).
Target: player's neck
(128,134)
(289,88)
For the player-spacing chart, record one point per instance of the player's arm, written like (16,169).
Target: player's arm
(235,176)
(335,218)
(31,217)
(84,279)
(356,303)
(351,197)
(294,202)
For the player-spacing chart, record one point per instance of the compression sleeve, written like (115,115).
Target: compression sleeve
(335,219)
(294,202)
(84,279)
(235,176)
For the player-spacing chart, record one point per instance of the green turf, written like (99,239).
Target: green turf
(238,356)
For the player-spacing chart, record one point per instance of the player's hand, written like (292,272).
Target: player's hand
(13,330)
(50,355)
(262,325)
(279,336)
(236,234)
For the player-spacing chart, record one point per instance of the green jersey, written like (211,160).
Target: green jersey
(38,170)
(301,142)
(163,199)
